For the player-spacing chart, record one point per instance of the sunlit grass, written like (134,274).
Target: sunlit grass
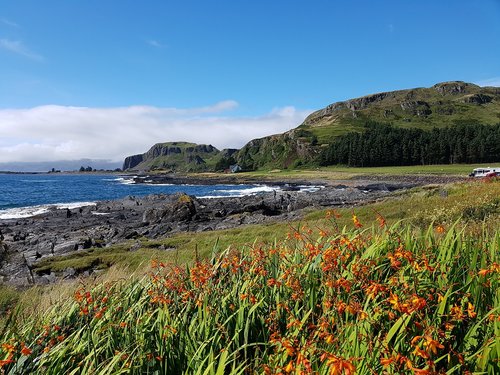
(340,172)
(323,301)
(454,228)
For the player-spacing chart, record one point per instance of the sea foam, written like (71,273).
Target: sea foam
(23,212)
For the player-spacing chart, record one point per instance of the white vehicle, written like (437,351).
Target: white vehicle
(485,172)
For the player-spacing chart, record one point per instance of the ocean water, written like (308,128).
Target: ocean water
(23,195)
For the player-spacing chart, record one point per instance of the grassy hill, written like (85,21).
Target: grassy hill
(443,105)
(177,156)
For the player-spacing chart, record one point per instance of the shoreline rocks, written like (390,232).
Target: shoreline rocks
(62,232)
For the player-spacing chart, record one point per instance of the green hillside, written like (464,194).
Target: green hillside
(177,156)
(443,105)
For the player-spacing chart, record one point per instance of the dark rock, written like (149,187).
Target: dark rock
(132,161)
(418,108)
(69,273)
(454,87)
(478,99)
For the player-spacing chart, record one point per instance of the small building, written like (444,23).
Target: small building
(235,168)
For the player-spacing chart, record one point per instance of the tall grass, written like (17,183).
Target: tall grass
(323,301)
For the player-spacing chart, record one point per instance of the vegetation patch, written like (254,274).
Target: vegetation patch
(323,301)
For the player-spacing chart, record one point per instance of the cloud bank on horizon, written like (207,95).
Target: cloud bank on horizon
(52,132)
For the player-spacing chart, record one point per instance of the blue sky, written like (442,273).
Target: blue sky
(251,63)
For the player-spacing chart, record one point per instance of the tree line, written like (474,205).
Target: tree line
(386,145)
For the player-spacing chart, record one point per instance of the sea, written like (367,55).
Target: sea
(25,195)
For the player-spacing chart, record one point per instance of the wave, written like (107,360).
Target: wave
(252,190)
(122,180)
(260,189)
(227,193)
(23,212)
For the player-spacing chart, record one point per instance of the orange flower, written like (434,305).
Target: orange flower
(483,272)
(26,351)
(332,213)
(457,313)
(373,289)
(356,222)
(381,221)
(9,348)
(84,311)
(440,229)
(470,310)
(340,366)
(421,353)
(418,303)
(386,362)
(6,361)
(432,344)
(394,301)
(421,371)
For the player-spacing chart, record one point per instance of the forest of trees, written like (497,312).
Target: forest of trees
(385,145)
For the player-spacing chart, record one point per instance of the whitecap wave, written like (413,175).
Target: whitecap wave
(251,191)
(228,193)
(124,181)
(24,212)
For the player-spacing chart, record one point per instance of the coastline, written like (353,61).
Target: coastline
(61,232)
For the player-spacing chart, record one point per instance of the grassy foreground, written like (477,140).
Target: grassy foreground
(323,301)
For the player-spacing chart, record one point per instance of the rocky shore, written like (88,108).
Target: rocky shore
(25,242)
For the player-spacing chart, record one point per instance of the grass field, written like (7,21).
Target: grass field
(339,173)
(407,285)
(323,301)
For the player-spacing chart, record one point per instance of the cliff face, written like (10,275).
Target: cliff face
(132,161)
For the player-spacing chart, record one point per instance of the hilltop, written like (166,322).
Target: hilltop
(442,106)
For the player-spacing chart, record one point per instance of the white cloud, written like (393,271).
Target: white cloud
(10,23)
(155,43)
(19,48)
(495,81)
(54,132)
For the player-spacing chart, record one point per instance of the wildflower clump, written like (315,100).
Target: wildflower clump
(323,301)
